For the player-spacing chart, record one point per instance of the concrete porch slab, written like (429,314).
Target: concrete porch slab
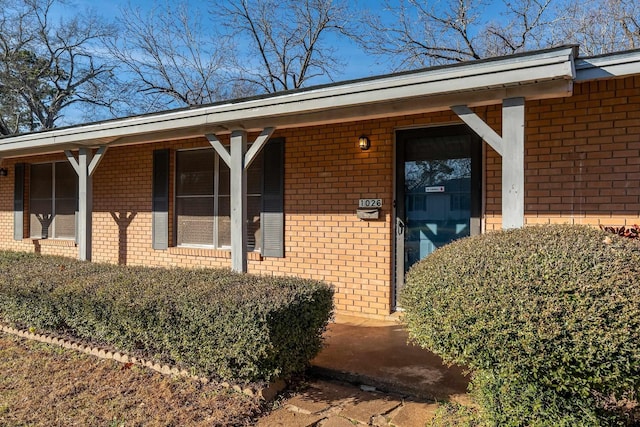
(375,353)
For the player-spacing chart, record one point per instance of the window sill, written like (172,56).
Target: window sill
(53,242)
(210,253)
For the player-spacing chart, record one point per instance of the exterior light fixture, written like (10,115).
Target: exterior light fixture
(4,172)
(364,143)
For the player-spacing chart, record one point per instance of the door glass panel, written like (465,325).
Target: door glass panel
(437,193)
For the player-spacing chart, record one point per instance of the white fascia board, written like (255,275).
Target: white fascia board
(613,65)
(523,69)
(363,95)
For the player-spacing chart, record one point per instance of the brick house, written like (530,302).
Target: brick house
(349,183)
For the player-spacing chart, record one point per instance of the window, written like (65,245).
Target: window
(203,216)
(53,201)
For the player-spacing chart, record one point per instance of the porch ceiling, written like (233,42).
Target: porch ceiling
(534,75)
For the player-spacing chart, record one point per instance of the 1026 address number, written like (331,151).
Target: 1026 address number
(370,203)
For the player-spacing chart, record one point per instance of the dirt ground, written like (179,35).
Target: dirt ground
(46,385)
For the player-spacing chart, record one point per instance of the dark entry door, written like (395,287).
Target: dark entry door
(438,191)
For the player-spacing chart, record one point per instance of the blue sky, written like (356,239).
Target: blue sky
(356,63)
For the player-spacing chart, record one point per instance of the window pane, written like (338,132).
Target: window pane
(197,224)
(40,203)
(224,221)
(254,176)
(195,172)
(195,220)
(40,185)
(40,218)
(66,181)
(53,201)
(224,182)
(65,219)
(66,201)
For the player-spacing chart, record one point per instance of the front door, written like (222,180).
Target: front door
(438,191)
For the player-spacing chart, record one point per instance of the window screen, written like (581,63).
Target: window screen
(203,201)
(53,201)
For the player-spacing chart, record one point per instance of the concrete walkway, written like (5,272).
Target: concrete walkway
(367,374)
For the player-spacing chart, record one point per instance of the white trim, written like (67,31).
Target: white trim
(479,126)
(97,158)
(619,64)
(440,85)
(219,148)
(238,188)
(73,161)
(256,146)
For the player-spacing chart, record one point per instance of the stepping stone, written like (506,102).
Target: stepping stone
(413,414)
(285,418)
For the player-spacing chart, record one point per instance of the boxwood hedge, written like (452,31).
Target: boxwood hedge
(220,324)
(547,318)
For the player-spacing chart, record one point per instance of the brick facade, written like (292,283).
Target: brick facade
(582,166)
(582,158)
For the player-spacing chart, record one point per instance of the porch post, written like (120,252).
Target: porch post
(238,189)
(238,161)
(513,163)
(84,166)
(510,146)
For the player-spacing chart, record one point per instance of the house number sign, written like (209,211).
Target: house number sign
(370,203)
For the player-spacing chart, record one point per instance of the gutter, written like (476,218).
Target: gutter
(620,64)
(436,83)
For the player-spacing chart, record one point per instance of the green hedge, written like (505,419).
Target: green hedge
(218,323)
(548,318)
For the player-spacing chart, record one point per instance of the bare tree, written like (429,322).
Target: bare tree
(604,26)
(418,33)
(172,59)
(525,25)
(288,40)
(46,66)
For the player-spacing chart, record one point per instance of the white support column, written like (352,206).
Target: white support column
(510,146)
(513,163)
(84,166)
(238,180)
(238,161)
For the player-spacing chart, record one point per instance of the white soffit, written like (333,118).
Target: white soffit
(613,65)
(438,87)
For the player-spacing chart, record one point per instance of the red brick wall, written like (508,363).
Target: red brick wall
(582,157)
(325,175)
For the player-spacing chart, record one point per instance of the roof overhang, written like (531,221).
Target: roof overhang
(613,65)
(533,75)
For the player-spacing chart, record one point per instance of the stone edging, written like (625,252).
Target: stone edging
(265,393)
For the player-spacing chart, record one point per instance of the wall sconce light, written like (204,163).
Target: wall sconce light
(4,172)
(364,143)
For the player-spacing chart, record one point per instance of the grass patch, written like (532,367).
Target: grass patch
(45,385)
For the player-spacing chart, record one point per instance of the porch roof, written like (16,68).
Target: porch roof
(533,75)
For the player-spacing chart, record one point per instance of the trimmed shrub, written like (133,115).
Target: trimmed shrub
(547,317)
(230,326)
